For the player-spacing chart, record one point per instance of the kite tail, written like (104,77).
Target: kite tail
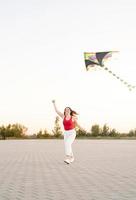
(130,87)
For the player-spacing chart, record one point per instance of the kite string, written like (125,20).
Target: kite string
(124,82)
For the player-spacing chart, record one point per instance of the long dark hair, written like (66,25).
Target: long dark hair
(72,112)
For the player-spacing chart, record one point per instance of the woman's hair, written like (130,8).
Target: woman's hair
(72,112)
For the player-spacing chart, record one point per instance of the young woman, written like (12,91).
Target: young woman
(69,123)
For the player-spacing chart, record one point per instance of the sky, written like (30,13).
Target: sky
(42,43)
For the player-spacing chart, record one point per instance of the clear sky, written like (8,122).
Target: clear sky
(41,58)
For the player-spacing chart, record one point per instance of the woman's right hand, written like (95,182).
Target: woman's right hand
(53,101)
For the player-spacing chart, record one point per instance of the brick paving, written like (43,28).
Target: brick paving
(34,170)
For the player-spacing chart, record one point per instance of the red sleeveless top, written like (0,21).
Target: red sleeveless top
(68,124)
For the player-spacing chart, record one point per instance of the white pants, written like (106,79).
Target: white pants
(69,137)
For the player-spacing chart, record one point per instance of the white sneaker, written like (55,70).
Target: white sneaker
(72,159)
(67,161)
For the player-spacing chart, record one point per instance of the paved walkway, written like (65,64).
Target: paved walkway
(34,170)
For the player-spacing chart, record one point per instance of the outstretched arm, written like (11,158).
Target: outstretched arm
(77,124)
(57,111)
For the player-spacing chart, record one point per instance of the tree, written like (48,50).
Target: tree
(132,133)
(113,133)
(3,132)
(105,130)
(9,131)
(46,134)
(18,130)
(14,130)
(95,130)
(57,129)
(39,134)
(79,132)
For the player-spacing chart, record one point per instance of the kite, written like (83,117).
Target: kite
(98,59)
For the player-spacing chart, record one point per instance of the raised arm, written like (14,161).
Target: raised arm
(57,111)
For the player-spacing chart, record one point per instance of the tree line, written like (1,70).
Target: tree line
(18,131)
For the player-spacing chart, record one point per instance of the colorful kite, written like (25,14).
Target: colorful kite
(98,59)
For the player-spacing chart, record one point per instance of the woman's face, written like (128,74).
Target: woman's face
(67,111)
